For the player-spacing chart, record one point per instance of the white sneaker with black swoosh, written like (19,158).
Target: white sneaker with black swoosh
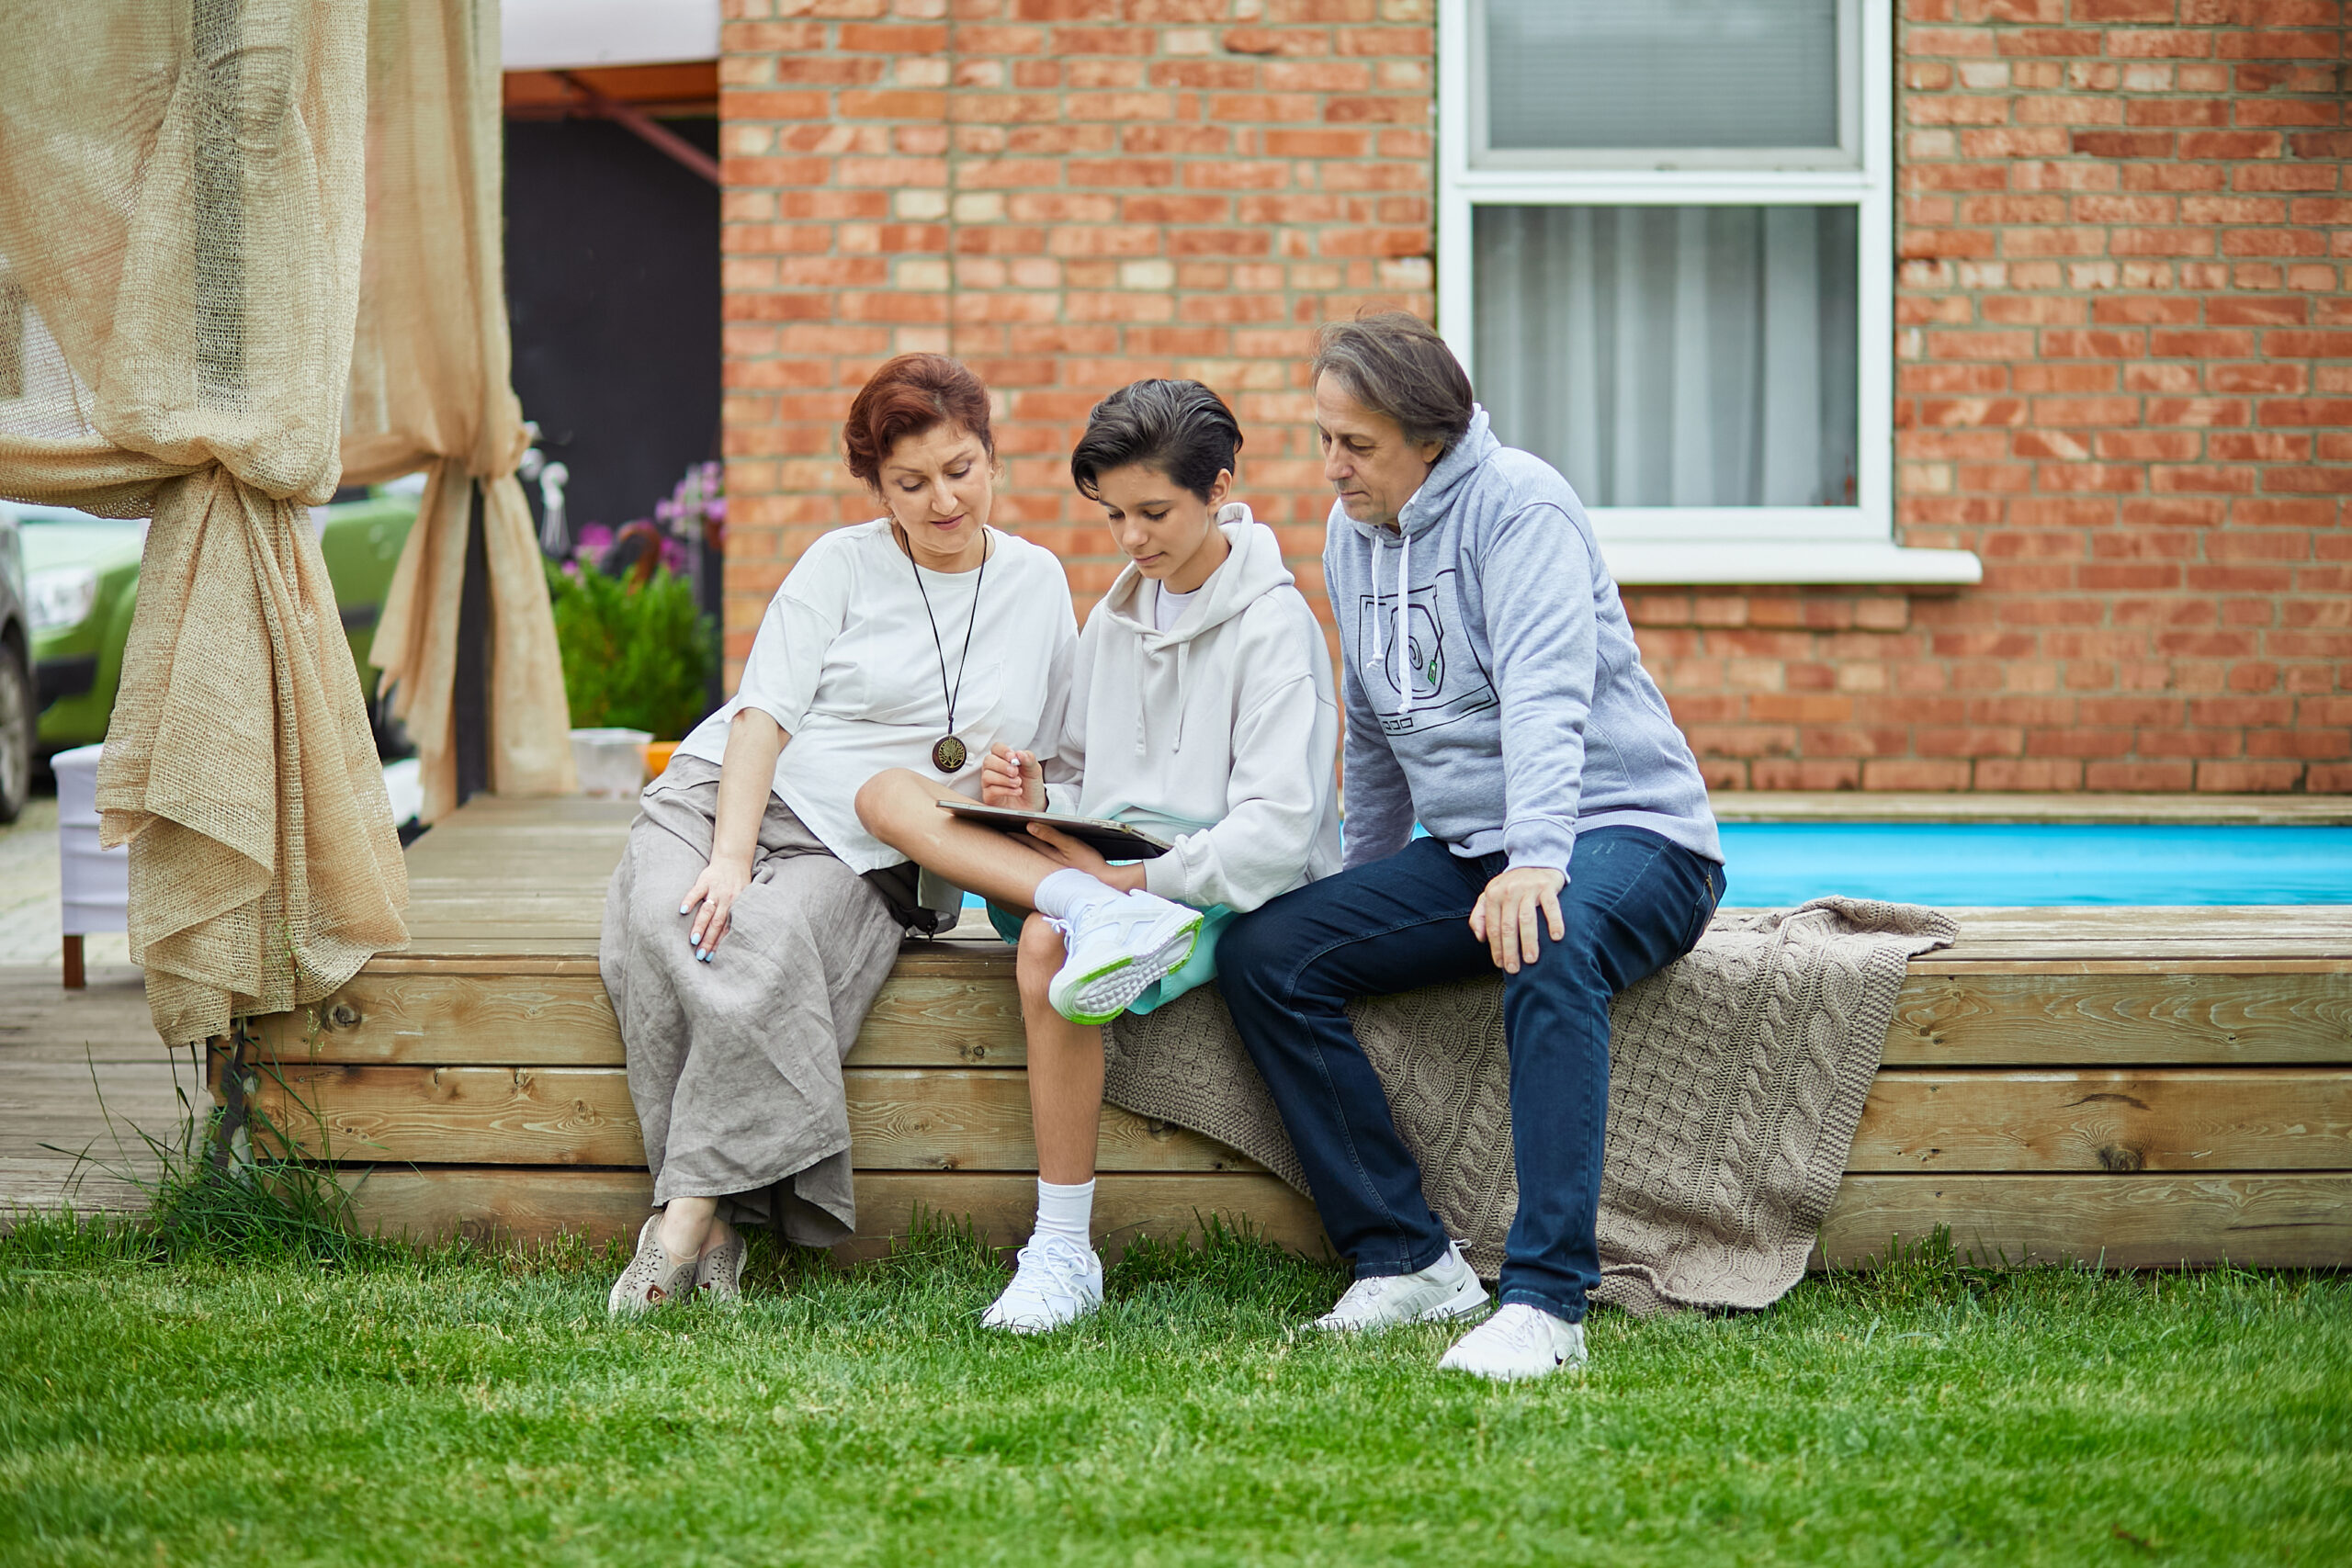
(1516,1343)
(1446,1288)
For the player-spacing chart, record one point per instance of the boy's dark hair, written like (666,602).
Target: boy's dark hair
(1397,365)
(1180,428)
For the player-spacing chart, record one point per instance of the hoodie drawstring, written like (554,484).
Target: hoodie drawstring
(1183,657)
(1378,656)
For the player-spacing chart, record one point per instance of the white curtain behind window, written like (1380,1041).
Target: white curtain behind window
(1673,355)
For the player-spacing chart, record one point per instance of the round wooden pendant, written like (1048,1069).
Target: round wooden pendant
(948,755)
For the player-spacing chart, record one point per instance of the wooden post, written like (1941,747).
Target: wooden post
(74,978)
(469,703)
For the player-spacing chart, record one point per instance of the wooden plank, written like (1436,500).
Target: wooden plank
(518,1116)
(1997,1020)
(940,1119)
(428,1016)
(1853,805)
(420,1013)
(2217,935)
(2157,1120)
(962,1120)
(1125,1206)
(966,1014)
(499,1204)
(2150,1221)
(900,1119)
(51,1183)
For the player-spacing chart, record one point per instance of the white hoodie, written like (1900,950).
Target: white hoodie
(1220,733)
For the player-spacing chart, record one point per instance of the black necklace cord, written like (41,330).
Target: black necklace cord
(970,624)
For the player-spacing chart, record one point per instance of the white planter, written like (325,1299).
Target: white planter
(96,883)
(611,763)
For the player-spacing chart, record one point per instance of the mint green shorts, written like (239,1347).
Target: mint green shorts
(1198,969)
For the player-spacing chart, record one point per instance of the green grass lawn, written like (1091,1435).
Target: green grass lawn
(457,1407)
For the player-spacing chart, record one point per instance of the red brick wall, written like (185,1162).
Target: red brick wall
(1067,194)
(2124,378)
(2124,356)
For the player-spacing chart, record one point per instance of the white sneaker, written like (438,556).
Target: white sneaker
(1118,947)
(1058,1282)
(1519,1341)
(1447,1288)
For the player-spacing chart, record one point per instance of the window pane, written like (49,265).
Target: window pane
(1673,355)
(1605,74)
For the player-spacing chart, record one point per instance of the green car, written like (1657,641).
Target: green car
(82,581)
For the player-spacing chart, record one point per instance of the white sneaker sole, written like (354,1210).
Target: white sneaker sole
(1102,994)
(1507,1374)
(1035,1325)
(1471,1298)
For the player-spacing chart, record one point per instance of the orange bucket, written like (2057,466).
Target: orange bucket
(657,758)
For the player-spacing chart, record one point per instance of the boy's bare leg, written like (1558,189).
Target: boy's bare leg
(1065,1064)
(901,809)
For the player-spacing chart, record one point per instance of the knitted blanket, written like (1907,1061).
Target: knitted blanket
(1737,1076)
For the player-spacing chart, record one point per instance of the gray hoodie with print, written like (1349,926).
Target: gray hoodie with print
(1492,684)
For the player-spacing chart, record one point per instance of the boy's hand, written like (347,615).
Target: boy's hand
(1504,917)
(1013,779)
(1079,855)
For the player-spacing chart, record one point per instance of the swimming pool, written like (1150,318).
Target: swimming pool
(1977,864)
(2030,864)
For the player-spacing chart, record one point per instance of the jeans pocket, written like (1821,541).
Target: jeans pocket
(1711,892)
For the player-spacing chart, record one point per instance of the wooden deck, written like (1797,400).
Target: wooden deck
(2146,1086)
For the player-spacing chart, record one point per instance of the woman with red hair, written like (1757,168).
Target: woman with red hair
(753,918)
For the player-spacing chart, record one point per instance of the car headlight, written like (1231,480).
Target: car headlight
(60,597)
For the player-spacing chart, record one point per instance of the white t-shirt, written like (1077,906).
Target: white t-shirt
(845,663)
(1168,607)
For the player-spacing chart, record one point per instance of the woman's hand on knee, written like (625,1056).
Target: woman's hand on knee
(712,902)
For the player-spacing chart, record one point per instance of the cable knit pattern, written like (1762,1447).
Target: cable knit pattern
(1737,1076)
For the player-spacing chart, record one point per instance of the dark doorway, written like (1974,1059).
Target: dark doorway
(612,282)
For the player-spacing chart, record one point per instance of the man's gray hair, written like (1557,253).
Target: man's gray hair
(1395,364)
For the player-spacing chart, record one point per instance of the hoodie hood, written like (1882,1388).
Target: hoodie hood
(1253,570)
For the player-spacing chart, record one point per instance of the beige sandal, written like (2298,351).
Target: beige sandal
(719,1277)
(652,1279)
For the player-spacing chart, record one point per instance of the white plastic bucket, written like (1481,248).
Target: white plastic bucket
(94,883)
(611,763)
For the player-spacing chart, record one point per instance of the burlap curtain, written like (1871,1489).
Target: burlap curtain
(181,200)
(429,389)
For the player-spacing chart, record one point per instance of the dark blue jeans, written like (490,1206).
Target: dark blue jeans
(1634,902)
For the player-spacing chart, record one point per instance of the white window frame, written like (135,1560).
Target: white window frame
(1663,545)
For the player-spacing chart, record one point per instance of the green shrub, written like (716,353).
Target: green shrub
(635,658)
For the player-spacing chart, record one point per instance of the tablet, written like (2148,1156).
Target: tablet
(1112,840)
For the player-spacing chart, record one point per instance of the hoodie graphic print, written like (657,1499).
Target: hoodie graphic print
(1423,685)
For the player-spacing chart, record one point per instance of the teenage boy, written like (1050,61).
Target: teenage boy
(1492,690)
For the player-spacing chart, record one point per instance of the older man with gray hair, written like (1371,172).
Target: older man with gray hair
(1493,690)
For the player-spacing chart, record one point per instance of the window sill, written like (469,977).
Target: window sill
(1655,561)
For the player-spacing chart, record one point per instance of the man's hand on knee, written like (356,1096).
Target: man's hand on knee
(1504,917)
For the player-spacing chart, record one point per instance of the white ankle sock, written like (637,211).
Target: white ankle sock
(1067,1212)
(1065,892)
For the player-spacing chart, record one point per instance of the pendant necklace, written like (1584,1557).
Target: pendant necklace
(947,753)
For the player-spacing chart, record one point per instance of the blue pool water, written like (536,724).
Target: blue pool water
(1773,864)
(1971,863)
